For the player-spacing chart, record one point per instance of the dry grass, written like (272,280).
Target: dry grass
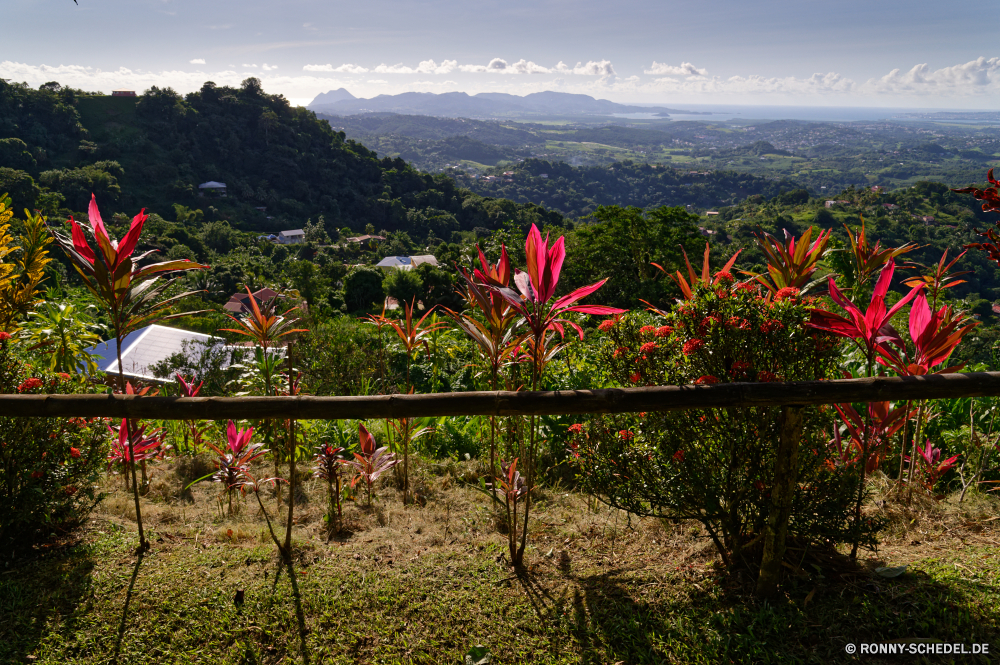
(423,583)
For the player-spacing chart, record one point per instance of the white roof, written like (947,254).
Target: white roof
(406,262)
(424,258)
(395,262)
(144,348)
(211,184)
(293,232)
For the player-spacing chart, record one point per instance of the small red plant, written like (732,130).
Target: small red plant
(371,462)
(932,465)
(234,460)
(327,464)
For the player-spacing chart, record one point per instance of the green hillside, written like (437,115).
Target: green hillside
(280,163)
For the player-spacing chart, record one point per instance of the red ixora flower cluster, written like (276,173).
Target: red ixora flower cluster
(647,330)
(679,456)
(750,286)
(706,380)
(787,293)
(576,428)
(30,384)
(606,325)
(724,276)
(738,322)
(663,331)
(692,345)
(621,350)
(740,367)
(4,336)
(636,377)
(74,452)
(626,435)
(766,377)
(649,347)
(771,325)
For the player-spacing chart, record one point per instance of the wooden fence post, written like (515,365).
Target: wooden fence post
(786,472)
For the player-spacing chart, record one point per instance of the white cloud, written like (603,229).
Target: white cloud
(342,69)
(501,66)
(425,67)
(197,61)
(378,81)
(685,69)
(592,68)
(268,68)
(978,76)
(249,66)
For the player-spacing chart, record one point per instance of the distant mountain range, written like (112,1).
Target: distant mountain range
(483,105)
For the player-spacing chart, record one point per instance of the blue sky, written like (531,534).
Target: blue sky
(851,52)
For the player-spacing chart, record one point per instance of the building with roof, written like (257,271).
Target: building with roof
(212,187)
(145,347)
(292,237)
(406,262)
(123,93)
(239,303)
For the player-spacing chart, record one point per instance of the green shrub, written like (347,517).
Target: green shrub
(716,466)
(48,466)
(363,288)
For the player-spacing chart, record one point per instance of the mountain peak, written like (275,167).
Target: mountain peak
(332,97)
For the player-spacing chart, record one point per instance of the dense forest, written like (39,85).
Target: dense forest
(578,191)
(280,164)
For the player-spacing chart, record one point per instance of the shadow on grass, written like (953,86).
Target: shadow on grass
(128,601)
(299,614)
(52,590)
(620,617)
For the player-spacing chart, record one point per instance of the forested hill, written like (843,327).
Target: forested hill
(578,191)
(280,163)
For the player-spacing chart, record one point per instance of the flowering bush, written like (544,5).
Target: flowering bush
(715,466)
(48,466)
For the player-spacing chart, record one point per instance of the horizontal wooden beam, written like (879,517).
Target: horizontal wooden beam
(611,400)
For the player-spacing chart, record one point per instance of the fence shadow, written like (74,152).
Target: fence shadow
(612,618)
(55,588)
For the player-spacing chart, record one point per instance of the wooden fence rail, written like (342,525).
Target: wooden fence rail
(526,403)
(790,396)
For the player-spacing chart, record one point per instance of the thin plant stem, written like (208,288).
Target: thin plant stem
(129,429)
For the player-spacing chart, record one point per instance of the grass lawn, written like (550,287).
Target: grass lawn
(423,584)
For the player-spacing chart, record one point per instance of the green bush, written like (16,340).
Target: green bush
(363,288)
(404,285)
(48,466)
(716,466)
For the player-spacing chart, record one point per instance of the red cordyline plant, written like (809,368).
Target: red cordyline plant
(496,334)
(865,259)
(371,462)
(194,435)
(266,328)
(543,317)
(234,460)
(932,465)
(131,294)
(792,263)
(510,486)
(706,280)
(327,465)
(130,445)
(872,432)
(991,203)
(940,278)
(870,330)
(412,336)
(935,336)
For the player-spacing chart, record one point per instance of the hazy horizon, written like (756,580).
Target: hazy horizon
(777,52)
